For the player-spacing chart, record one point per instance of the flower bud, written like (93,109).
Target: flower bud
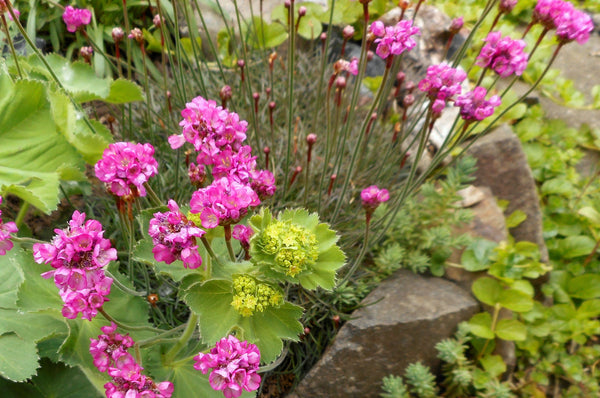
(311,139)
(86,53)
(408,100)
(348,32)
(301,11)
(117,34)
(137,35)
(323,36)
(340,82)
(157,20)
(370,55)
(456,25)
(287,4)
(506,6)
(404,4)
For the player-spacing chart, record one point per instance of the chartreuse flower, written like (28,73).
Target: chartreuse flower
(296,247)
(250,295)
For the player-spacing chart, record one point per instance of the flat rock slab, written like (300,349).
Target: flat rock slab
(404,318)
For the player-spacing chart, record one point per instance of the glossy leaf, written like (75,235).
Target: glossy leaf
(511,329)
(487,290)
(481,325)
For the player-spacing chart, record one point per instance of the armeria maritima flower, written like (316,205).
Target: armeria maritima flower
(6,228)
(442,83)
(474,106)
(110,354)
(125,167)
(174,237)
(574,25)
(224,202)
(394,40)
(503,55)
(76,17)
(372,197)
(233,366)
(79,253)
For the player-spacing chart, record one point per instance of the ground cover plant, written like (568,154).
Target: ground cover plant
(227,184)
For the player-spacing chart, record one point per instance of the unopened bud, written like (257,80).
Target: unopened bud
(301,11)
(225,95)
(157,20)
(268,91)
(340,82)
(137,35)
(370,55)
(287,3)
(256,96)
(506,6)
(400,78)
(241,63)
(306,330)
(272,105)
(404,4)
(348,32)
(311,139)
(408,100)
(86,53)
(117,34)
(266,150)
(323,36)
(456,25)
(410,86)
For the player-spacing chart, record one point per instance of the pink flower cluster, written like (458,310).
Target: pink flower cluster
(474,106)
(503,55)
(125,167)
(346,66)
(76,17)
(224,202)
(394,40)
(174,237)
(243,234)
(234,365)
(570,23)
(372,197)
(6,228)
(442,83)
(78,253)
(110,355)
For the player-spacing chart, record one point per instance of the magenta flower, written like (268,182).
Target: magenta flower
(224,202)
(263,183)
(197,174)
(79,253)
(210,128)
(110,354)
(506,6)
(503,55)
(238,165)
(396,39)
(573,25)
(346,66)
(377,28)
(473,105)
(441,84)
(546,12)
(76,17)
(372,197)
(174,237)
(234,365)
(6,228)
(125,167)
(243,234)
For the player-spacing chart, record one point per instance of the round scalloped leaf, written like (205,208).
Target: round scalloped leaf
(18,358)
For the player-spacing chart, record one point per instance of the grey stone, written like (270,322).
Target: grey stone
(400,324)
(502,166)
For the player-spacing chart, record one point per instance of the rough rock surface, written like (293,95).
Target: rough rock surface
(502,166)
(402,321)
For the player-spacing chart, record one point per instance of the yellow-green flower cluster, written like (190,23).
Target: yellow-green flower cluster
(295,248)
(195,218)
(250,296)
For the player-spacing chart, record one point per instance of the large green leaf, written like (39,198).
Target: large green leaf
(32,326)
(511,329)
(18,358)
(585,286)
(34,154)
(37,293)
(487,290)
(11,276)
(481,325)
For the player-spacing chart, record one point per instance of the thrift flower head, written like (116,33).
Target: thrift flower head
(506,6)
(372,197)
(547,12)
(441,84)
(78,252)
(396,39)
(174,237)
(125,167)
(263,183)
(223,202)
(110,355)
(210,128)
(473,105)
(233,366)
(346,66)
(243,234)
(573,25)
(503,55)
(5,230)
(76,17)
(250,296)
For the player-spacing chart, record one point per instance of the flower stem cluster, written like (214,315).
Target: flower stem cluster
(6,228)
(76,17)
(79,254)
(250,296)
(125,167)
(110,355)
(234,365)
(294,247)
(174,237)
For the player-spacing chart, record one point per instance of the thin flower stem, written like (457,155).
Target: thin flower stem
(123,287)
(154,199)
(160,337)
(360,257)
(21,214)
(26,240)
(227,229)
(493,327)
(127,42)
(190,327)
(11,45)
(129,327)
(290,95)
(210,251)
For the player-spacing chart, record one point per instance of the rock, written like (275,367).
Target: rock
(401,322)
(488,223)
(502,166)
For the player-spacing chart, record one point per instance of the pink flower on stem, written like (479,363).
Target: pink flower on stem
(6,228)
(372,197)
(547,12)
(76,17)
(238,165)
(474,106)
(442,83)
(224,202)
(174,237)
(125,167)
(396,39)
(233,365)
(263,183)
(503,55)
(573,25)
(347,66)
(243,234)
(210,129)
(79,253)
(110,354)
